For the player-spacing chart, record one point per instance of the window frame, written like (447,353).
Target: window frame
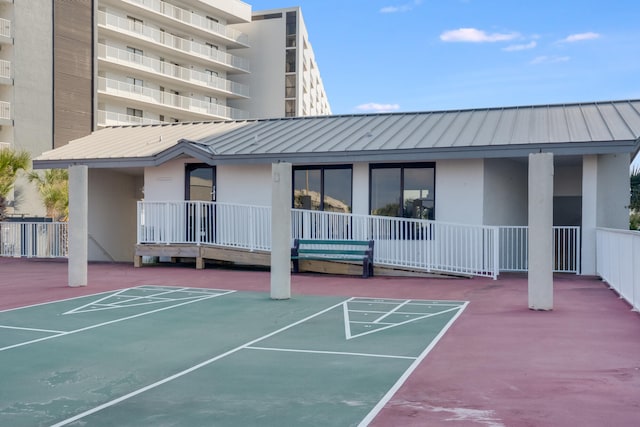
(402,167)
(321,168)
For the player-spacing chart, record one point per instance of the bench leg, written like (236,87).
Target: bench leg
(367,268)
(296,266)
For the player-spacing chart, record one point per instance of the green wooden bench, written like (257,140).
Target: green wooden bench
(334,250)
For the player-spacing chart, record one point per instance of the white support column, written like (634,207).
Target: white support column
(589,214)
(78,225)
(281,190)
(540,276)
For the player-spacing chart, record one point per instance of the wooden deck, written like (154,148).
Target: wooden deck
(201,254)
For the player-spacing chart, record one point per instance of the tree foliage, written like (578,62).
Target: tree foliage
(634,219)
(53,185)
(635,190)
(11,162)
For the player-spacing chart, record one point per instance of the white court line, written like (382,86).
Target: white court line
(412,313)
(389,313)
(414,319)
(338,353)
(128,300)
(119,294)
(385,399)
(31,329)
(56,301)
(359,322)
(188,370)
(111,322)
(413,301)
(345,316)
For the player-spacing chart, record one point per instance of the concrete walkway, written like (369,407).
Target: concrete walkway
(499,365)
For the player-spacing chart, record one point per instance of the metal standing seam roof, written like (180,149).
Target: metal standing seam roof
(598,127)
(133,142)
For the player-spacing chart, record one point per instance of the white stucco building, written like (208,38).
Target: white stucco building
(469,167)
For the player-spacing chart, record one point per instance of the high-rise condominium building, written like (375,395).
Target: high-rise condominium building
(68,67)
(288,72)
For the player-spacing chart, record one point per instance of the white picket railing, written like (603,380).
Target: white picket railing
(617,262)
(514,249)
(402,242)
(240,226)
(406,242)
(34,239)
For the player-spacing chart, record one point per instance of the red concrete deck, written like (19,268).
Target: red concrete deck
(499,365)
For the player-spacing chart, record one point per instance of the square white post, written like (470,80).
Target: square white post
(589,213)
(281,190)
(78,225)
(540,275)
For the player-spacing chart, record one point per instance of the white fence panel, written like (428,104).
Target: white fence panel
(617,262)
(194,222)
(514,249)
(34,239)
(403,242)
(406,242)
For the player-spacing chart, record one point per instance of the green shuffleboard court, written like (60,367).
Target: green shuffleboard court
(171,356)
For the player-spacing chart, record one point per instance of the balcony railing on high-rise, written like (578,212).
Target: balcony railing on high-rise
(167,99)
(111,118)
(5,110)
(204,51)
(5,28)
(5,69)
(168,69)
(191,18)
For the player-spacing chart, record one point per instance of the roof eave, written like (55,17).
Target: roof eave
(510,151)
(183,147)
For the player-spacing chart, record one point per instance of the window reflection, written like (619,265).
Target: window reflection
(322,188)
(403,191)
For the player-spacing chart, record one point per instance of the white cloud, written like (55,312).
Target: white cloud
(473,35)
(580,37)
(516,47)
(402,8)
(378,108)
(549,59)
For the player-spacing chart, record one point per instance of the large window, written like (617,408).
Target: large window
(406,190)
(321,188)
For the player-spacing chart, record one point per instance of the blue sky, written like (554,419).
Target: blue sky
(417,55)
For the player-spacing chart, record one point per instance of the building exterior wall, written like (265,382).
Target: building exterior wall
(165,182)
(360,193)
(613,191)
(244,184)
(169,60)
(29,90)
(567,180)
(73,71)
(271,94)
(605,200)
(267,55)
(112,215)
(505,192)
(460,191)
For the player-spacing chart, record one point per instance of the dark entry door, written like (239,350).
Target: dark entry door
(201,218)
